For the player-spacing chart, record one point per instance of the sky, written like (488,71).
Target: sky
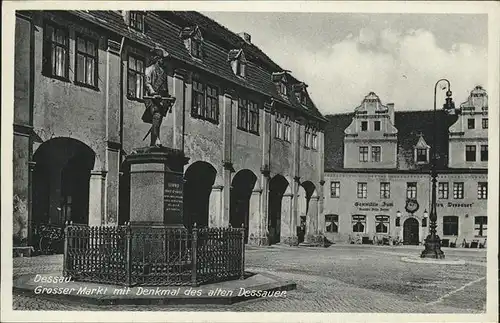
(344,56)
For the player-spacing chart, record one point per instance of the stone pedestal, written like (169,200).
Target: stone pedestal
(156,186)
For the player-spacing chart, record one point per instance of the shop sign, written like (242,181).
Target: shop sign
(374,206)
(451,204)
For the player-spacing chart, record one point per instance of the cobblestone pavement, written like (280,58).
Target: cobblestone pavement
(341,278)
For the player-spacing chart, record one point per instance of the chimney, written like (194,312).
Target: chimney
(246,37)
(390,107)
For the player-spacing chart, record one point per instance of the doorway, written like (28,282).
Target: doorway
(241,191)
(277,187)
(410,232)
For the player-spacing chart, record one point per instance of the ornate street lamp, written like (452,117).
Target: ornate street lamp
(398,218)
(433,242)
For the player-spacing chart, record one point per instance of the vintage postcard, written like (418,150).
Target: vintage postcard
(289,161)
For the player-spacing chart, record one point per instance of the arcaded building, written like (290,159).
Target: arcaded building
(253,136)
(377,159)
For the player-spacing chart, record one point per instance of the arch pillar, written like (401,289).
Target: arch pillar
(321,208)
(226,193)
(96,197)
(216,217)
(312,219)
(288,230)
(260,235)
(254,227)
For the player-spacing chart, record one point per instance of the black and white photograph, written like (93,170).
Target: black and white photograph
(250,161)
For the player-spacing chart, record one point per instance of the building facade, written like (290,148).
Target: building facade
(378,182)
(253,136)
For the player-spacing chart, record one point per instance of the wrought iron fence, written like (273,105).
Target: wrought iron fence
(153,255)
(47,238)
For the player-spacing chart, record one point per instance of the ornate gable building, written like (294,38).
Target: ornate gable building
(376,160)
(253,134)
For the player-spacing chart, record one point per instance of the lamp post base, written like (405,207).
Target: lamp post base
(432,248)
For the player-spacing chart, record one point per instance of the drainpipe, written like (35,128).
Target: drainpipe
(122,43)
(122,169)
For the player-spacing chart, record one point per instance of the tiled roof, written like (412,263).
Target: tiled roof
(164,28)
(410,125)
(334,140)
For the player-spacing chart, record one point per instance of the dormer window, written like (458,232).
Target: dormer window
(280,80)
(283,88)
(136,20)
(303,98)
(238,62)
(301,93)
(195,48)
(240,68)
(421,151)
(193,41)
(421,155)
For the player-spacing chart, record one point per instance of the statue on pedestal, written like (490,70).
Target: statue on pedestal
(157,100)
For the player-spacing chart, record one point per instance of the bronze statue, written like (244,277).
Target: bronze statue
(157,100)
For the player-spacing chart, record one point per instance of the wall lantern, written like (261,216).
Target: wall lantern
(424,220)
(398,218)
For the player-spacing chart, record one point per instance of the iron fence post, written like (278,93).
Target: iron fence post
(65,254)
(128,255)
(194,256)
(242,229)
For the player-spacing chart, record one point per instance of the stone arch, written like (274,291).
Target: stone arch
(199,178)
(61,179)
(278,185)
(310,190)
(242,185)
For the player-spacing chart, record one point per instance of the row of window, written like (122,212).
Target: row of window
(376,155)
(450,224)
(283,131)
(282,127)
(471,155)
(56,56)
(364,125)
(358,223)
(205,97)
(311,138)
(471,123)
(248,115)
(411,190)
(205,102)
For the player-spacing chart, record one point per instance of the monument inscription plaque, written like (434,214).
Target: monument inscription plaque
(173,198)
